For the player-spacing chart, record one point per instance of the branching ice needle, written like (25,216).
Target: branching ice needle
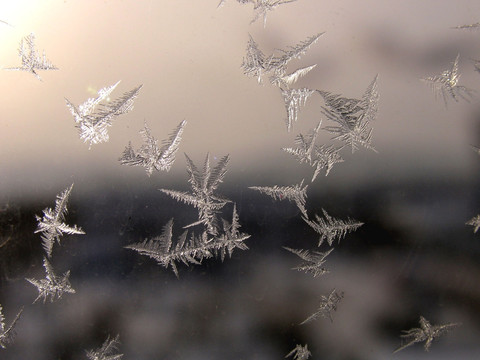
(31,60)
(426,332)
(52,224)
(446,84)
(7,333)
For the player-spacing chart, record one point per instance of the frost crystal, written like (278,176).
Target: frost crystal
(446,84)
(323,157)
(262,6)
(327,305)
(312,261)
(426,332)
(330,228)
(202,196)
(53,286)
(150,156)
(106,351)
(52,225)
(295,193)
(475,26)
(193,249)
(255,64)
(31,60)
(93,126)
(353,116)
(299,353)
(294,99)
(7,333)
(285,80)
(475,222)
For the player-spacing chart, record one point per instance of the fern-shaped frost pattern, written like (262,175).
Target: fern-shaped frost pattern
(93,125)
(323,157)
(52,286)
(7,333)
(331,229)
(299,353)
(294,99)
(426,332)
(150,155)
(295,193)
(475,222)
(352,116)
(203,197)
(106,351)
(312,261)
(328,304)
(192,249)
(446,84)
(52,224)
(262,7)
(31,60)
(256,64)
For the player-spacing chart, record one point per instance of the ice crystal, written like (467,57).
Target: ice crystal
(52,286)
(192,249)
(52,224)
(31,60)
(93,126)
(446,84)
(475,26)
(256,64)
(426,332)
(106,351)
(330,228)
(475,222)
(312,261)
(327,305)
(294,99)
(285,80)
(7,333)
(323,157)
(202,195)
(296,193)
(299,353)
(150,156)
(261,8)
(352,116)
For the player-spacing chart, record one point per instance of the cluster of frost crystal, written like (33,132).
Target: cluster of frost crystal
(219,236)
(93,125)
(31,60)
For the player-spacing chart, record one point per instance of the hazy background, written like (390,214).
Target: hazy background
(414,256)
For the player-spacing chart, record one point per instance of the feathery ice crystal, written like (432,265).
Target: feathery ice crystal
(446,84)
(93,126)
(150,155)
(352,116)
(202,196)
(53,285)
(330,228)
(31,60)
(327,305)
(52,224)
(106,351)
(7,333)
(312,261)
(426,332)
(192,249)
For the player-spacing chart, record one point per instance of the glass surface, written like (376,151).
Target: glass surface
(414,256)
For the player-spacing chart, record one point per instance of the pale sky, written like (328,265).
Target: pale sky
(187,54)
